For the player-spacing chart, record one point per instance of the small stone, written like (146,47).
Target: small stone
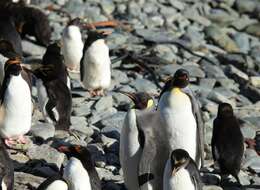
(254,29)
(237,75)
(211,187)
(113,125)
(26,180)
(220,38)
(43,130)
(143,85)
(242,41)
(104,103)
(108,6)
(47,153)
(255,81)
(245,6)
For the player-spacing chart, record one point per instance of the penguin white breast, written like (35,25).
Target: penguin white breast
(72,48)
(130,152)
(180,181)
(76,176)
(96,65)
(176,112)
(58,185)
(18,108)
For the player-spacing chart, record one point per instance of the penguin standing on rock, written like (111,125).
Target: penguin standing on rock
(95,71)
(55,99)
(80,172)
(227,141)
(181,172)
(16,105)
(72,45)
(178,105)
(131,139)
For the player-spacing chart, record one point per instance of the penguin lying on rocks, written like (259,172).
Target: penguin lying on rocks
(16,105)
(181,172)
(131,139)
(227,142)
(95,71)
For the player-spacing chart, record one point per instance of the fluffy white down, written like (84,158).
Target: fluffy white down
(72,48)
(18,108)
(176,112)
(130,152)
(58,185)
(180,181)
(97,73)
(76,175)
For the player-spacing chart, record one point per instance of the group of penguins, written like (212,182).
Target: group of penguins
(161,147)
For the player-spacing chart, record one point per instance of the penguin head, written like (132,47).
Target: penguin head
(54,48)
(180,78)
(76,151)
(225,110)
(141,100)
(179,159)
(76,22)
(13,66)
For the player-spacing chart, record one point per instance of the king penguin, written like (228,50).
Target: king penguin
(72,45)
(80,172)
(131,139)
(177,105)
(6,169)
(181,172)
(16,105)
(55,99)
(227,141)
(95,71)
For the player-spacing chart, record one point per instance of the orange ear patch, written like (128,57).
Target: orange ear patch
(14,61)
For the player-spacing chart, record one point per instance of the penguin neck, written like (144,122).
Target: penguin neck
(179,100)
(73,31)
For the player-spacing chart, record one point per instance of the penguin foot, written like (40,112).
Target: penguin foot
(22,140)
(97,92)
(9,142)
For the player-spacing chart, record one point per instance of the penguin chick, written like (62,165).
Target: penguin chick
(132,140)
(181,172)
(72,45)
(16,105)
(95,71)
(6,169)
(227,141)
(54,183)
(80,169)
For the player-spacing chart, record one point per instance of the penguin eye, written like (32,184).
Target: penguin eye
(78,149)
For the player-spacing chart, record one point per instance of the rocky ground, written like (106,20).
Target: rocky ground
(224,67)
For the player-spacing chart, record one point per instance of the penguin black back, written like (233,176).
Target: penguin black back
(84,156)
(12,67)
(227,141)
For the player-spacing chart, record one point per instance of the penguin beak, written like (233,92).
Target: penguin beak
(130,95)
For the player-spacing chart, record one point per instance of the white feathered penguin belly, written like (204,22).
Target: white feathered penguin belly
(96,65)
(180,123)
(72,46)
(18,108)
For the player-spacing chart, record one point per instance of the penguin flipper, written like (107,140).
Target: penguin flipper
(200,126)
(48,181)
(194,175)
